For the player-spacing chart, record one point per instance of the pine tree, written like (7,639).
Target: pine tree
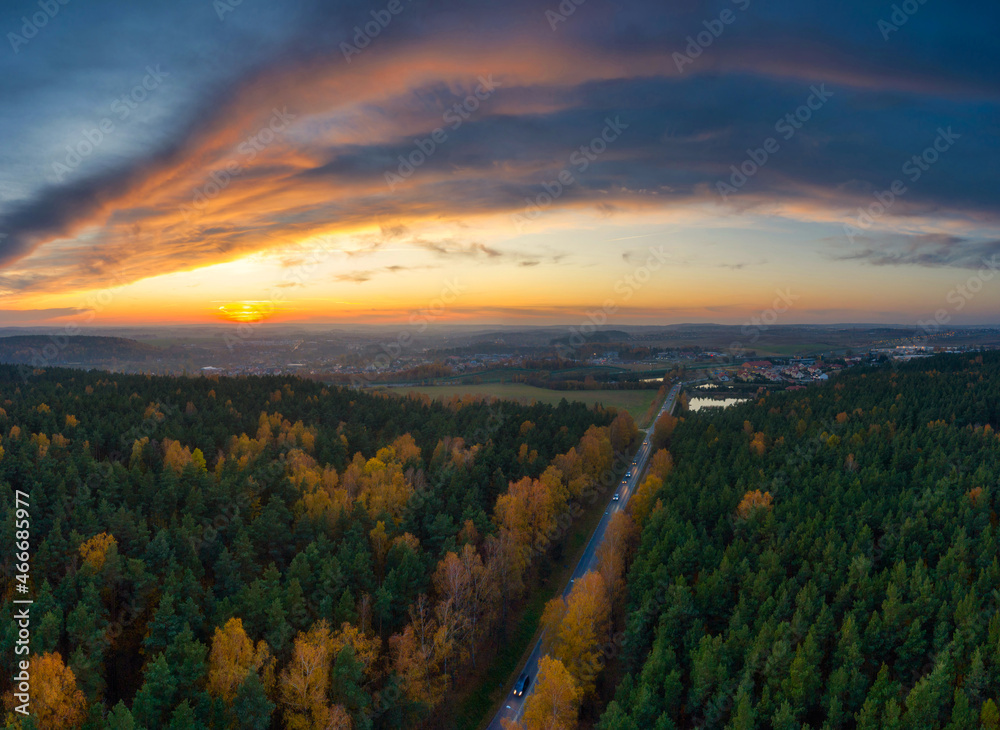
(251,709)
(156,697)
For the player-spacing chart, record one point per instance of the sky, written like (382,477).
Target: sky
(527,161)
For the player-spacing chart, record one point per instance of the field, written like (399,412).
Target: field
(635,402)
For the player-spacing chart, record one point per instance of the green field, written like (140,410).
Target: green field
(635,402)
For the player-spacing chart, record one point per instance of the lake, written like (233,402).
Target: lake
(696,404)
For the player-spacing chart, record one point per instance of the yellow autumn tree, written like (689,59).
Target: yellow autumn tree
(135,458)
(198,459)
(95,550)
(233,657)
(641,503)
(72,420)
(55,699)
(366,648)
(574,632)
(42,442)
(555,703)
(304,681)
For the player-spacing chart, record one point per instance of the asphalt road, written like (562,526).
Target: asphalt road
(512,706)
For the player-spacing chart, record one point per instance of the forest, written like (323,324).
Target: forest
(826,558)
(270,552)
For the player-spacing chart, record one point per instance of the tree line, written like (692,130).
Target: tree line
(826,558)
(268,552)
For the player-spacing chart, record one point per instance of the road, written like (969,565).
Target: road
(513,706)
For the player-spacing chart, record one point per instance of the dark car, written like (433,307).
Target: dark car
(521,686)
(616,497)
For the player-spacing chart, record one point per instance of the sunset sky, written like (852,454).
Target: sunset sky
(189,161)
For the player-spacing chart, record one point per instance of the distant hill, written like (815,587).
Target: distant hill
(600,336)
(41,350)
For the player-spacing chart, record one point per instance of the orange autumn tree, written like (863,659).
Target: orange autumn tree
(663,428)
(176,456)
(555,703)
(233,657)
(752,502)
(613,555)
(641,503)
(95,550)
(467,596)
(527,510)
(42,441)
(56,702)
(418,665)
(622,432)
(337,718)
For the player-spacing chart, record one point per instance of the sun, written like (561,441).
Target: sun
(246,312)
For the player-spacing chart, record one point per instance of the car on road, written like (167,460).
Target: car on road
(616,497)
(521,686)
